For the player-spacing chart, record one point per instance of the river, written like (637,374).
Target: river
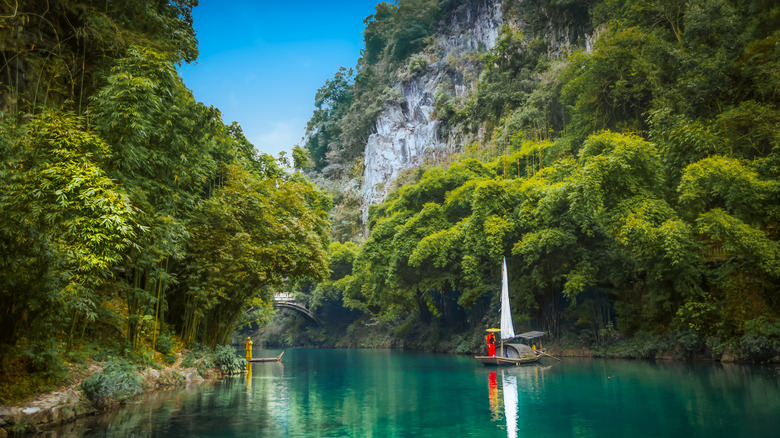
(383,393)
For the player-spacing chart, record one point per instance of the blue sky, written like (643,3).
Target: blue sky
(261,62)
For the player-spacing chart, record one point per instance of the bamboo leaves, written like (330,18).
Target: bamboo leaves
(63,219)
(248,239)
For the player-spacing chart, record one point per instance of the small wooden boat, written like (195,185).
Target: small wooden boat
(509,353)
(512,354)
(268,359)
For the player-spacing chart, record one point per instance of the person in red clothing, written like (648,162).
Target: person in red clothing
(491,343)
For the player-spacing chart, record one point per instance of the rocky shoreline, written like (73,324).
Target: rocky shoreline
(68,404)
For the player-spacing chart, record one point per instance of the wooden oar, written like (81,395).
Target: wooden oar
(542,352)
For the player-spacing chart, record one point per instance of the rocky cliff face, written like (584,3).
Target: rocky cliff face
(407,133)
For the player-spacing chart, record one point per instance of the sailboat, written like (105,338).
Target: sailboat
(510,353)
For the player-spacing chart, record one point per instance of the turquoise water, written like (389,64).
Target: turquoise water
(372,393)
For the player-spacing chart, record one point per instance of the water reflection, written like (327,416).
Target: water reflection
(391,393)
(585,397)
(518,385)
(493,396)
(510,404)
(248,379)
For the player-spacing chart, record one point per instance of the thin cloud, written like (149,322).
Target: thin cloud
(280,136)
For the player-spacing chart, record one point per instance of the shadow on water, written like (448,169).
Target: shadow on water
(397,393)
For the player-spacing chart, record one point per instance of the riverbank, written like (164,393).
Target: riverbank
(69,402)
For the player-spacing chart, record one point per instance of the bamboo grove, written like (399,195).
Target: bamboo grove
(129,212)
(632,186)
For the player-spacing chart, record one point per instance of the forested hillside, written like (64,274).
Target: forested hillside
(622,155)
(132,220)
(628,174)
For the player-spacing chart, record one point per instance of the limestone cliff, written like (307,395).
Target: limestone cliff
(407,133)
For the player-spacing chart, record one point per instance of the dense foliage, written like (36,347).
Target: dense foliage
(632,186)
(130,212)
(629,174)
(113,385)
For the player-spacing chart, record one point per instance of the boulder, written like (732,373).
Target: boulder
(191,375)
(728,357)
(9,415)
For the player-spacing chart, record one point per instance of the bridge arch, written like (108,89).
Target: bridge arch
(287,301)
(299,308)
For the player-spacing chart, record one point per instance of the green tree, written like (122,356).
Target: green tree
(733,210)
(164,151)
(65,225)
(323,131)
(250,237)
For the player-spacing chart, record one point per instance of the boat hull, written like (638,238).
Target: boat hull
(505,361)
(268,359)
(265,359)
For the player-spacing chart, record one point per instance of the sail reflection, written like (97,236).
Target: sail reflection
(510,404)
(518,384)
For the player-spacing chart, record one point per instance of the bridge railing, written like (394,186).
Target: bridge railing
(284,297)
(287,300)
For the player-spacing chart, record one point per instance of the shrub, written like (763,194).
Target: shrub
(114,385)
(228,361)
(107,350)
(467,342)
(609,333)
(200,358)
(417,63)
(164,345)
(715,347)
(761,340)
(689,342)
(641,346)
(46,360)
(758,348)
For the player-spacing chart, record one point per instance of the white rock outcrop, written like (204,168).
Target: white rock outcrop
(407,134)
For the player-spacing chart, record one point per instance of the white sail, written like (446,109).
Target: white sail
(507,328)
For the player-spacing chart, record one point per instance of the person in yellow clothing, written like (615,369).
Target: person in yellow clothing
(248,348)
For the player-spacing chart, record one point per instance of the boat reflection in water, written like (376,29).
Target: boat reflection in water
(493,396)
(505,401)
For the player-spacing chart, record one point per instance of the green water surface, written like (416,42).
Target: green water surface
(380,393)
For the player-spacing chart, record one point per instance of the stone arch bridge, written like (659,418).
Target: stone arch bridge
(286,300)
